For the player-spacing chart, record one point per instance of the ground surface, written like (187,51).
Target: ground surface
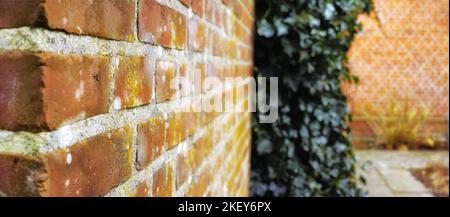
(389,172)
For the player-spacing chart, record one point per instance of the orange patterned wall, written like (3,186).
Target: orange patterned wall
(402,54)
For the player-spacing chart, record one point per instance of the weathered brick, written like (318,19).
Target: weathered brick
(142,190)
(161,25)
(134,82)
(103,18)
(220,44)
(199,152)
(247,19)
(163,181)
(186,2)
(196,35)
(194,72)
(218,14)
(201,182)
(89,168)
(184,168)
(199,73)
(20,91)
(210,7)
(207,143)
(21,175)
(16,13)
(198,7)
(165,73)
(175,130)
(249,5)
(44,91)
(192,121)
(151,140)
(190,192)
(186,89)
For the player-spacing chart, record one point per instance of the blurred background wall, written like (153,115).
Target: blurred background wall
(402,58)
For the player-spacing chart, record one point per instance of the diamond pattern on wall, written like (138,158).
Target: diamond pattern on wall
(402,54)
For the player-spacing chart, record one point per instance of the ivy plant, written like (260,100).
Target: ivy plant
(307,152)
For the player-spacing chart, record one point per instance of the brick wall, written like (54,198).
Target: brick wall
(86,106)
(402,54)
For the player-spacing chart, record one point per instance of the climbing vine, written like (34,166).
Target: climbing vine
(307,152)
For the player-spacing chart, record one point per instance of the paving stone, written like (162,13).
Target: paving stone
(389,173)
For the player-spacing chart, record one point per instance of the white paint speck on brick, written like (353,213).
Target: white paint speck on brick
(80,91)
(67,183)
(117,103)
(69,158)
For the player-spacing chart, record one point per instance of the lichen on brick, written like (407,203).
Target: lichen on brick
(107,104)
(22,143)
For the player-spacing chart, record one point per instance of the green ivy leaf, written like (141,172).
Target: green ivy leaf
(305,43)
(265,29)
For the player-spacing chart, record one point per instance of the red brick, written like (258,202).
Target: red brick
(247,20)
(229,3)
(361,128)
(165,73)
(192,121)
(198,7)
(191,191)
(185,90)
(199,152)
(151,141)
(205,178)
(163,181)
(209,9)
(20,91)
(249,4)
(21,175)
(134,83)
(44,91)
(176,129)
(201,182)
(103,18)
(196,34)
(207,143)
(239,10)
(184,168)
(410,68)
(161,25)
(218,14)
(194,72)
(200,75)
(186,2)
(141,190)
(219,44)
(227,23)
(16,13)
(84,169)
(230,49)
